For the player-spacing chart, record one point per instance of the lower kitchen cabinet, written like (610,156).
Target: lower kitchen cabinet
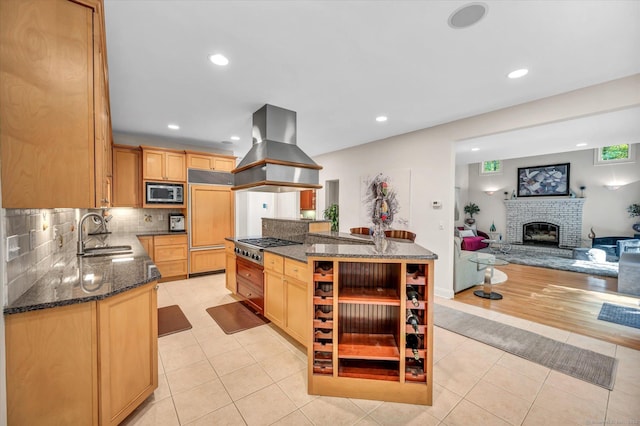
(147,244)
(230,266)
(206,260)
(128,345)
(286,295)
(170,256)
(84,364)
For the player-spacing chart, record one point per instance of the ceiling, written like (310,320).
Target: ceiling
(339,65)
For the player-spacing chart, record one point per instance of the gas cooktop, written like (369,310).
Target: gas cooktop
(267,242)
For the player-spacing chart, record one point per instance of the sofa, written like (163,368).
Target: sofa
(611,245)
(472,243)
(466,274)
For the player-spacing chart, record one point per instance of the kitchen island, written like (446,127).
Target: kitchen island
(363,311)
(82,342)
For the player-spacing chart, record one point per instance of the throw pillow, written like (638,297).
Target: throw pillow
(472,229)
(467,233)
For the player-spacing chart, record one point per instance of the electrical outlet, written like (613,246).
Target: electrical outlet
(160,217)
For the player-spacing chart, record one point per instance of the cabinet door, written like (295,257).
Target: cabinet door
(211,215)
(175,166)
(171,252)
(51,366)
(126,179)
(199,161)
(47,87)
(128,351)
(221,164)
(307,200)
(296,305)
(206,261)
(152,165)
(274,307)
(230,267)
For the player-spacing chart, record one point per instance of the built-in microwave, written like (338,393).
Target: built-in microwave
(164,193)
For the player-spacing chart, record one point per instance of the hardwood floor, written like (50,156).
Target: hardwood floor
(567,300)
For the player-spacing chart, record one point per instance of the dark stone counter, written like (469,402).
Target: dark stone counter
(83,279)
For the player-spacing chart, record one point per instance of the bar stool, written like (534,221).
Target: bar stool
(361,230)
(401,235)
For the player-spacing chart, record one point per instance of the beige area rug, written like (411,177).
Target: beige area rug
(498,276)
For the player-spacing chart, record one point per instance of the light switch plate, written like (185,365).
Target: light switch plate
(32,239)
(13,249)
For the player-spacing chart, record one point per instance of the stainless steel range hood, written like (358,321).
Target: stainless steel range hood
(275,163)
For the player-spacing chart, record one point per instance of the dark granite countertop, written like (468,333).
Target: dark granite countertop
(159,233)
(294,219)
(390,250)
(297,252)
(84,279)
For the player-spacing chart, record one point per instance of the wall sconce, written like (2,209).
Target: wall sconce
(612,187)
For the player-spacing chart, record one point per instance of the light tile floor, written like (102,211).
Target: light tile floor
(258,377)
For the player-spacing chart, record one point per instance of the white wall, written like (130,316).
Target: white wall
(605,211)
(251,207)
(430,155)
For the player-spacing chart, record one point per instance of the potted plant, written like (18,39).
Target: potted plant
(634,211)
(331,213)
(471,209)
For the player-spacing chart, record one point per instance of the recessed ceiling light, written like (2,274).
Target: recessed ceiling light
(475,149)
(219,59)
(173,127)
(518,73)
(467,15)
(235,138)
(581,144)
(381,118)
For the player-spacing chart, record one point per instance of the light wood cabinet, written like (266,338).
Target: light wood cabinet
(211,215)
(308,200)
(147,244)
(204,161)
(286,295)
(128,342)
(52,366)
(127,185)
(170,256)
(230,267)
(84,364)
(201,261)
(55,136)
(163,165)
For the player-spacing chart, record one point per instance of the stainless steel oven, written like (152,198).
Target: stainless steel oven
(249,268)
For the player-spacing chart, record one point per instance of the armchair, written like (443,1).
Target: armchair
(474,243)
(611,245)
(466,274)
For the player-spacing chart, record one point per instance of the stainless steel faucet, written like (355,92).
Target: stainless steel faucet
(80,236)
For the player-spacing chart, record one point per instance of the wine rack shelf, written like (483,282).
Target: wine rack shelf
(371,329)
(368,346)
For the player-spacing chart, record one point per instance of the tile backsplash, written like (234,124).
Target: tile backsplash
(45,237)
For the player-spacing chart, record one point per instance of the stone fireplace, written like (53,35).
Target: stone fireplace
(565,214)
(541,233)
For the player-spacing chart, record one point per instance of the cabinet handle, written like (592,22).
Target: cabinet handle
(248,275)
(156,288)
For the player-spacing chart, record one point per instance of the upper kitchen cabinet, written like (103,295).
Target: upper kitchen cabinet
(55,134)
(126,177)
(163,164)
(204,161)
(308,200)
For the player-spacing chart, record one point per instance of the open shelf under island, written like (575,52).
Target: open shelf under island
(371,333)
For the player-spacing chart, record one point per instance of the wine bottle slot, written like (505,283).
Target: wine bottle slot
(413,295)
(413,320)
(414,343)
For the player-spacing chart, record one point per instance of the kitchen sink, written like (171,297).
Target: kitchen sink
(106,251)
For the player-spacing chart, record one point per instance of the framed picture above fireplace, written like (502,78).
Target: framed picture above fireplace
(546,181)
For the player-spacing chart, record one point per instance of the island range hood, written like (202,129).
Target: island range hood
(275,163)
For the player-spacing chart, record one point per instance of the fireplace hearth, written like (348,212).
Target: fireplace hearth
(541,233)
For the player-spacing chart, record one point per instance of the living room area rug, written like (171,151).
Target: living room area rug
(580,363)
(622,315)
(235,317)
(171,320)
